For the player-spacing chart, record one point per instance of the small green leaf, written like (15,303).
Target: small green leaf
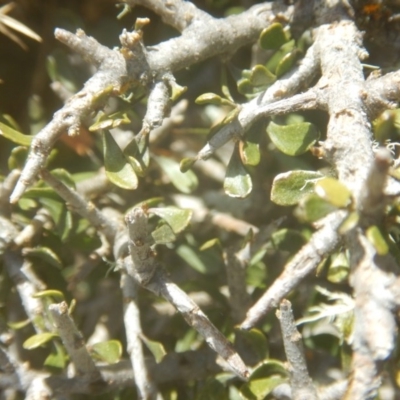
(178,219)
(205,262)
(55,294)
(212,98)
(331,190)
(118,170)
(249,153)
(294,139)
(261,76)
(313,208)
(244,86)
(177,90)
(64,176)
(339,268)
(15,136)
(265,378)
(287,62)
(211,243)
(376,238)
(19,324)
(163,234)
(45,254)
(110,121)
(187,163)
(57,359)
(274,61)
(349,223)
(290,187)
(273,37)
(186,182)
(109,351)
(288,240)
(253,341)
(17,158)
(38,340)
(156,348)
(237,181)
(137,153)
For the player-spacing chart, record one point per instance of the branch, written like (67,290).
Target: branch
(145,387)
(144,268)
(80,205)
(300,381)
(75,344)
(319,246)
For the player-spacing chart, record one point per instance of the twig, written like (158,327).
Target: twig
(144,268)
(320,245)
(300,381)
(81,206)
(145,387)
(6,188)
(75,344)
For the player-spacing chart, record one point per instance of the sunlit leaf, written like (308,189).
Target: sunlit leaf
(110,121)
(163,234)
(156,348)
(349,223)
(375,236)
(137,153)
(38,340)
(178,219)
(15,136)
(187,163)
(261,76)
(237,181)
(274,61)
(313,208)
(250,153)
(212,98)
(54,294)
(211,243)
(286,63)
(17,158)
(339,268)
(290,187)
(19,324)
(294,139)
(185,182)
(331,190)
(273,37)
(57,359)
(45,254)
(118,170)
(109,351)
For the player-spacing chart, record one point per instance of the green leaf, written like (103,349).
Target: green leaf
(252,341)
(211,243)
(265,378)
(286,63)
(177,218)
(212,98)
(237,181)
(339,268)
(38,340)
(177,90)
(163,234)
(109,351)
(294,139)
(110,121)
(57,359)
(118,170)
(290,187)
(19,324)
(349,223)
(288,240)
(205,262)
(273,37)
(156,348)
(313,208)
(261,76)
(187,163)
(45,254)
(212,389)
(331,190)
(244,86)
(186,182)
(376,238)
(15,136)
(249,153)
(274,61)
(54,294)
(137,153)
(17,158)
(64,176)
